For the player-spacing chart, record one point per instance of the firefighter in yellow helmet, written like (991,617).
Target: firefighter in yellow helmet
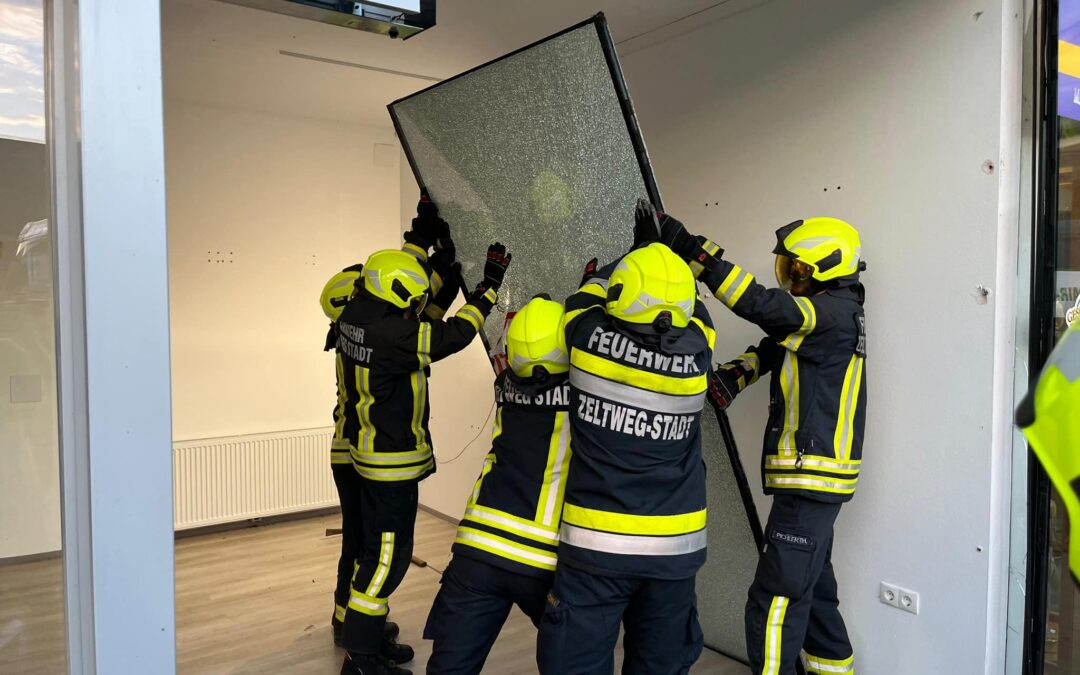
(815,350)
(633,528)
(386,340)
(505,549)
(336,294)
(1050,419)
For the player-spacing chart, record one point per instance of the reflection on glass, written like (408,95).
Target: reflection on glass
(31,580)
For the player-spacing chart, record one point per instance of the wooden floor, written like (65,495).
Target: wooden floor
(259,600)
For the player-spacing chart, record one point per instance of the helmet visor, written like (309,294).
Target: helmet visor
(790,270)
(419,303)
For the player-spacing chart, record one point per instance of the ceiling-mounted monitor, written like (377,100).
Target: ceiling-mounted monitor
(392,18)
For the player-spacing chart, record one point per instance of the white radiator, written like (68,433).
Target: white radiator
(221,480)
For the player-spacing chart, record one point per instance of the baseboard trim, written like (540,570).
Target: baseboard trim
(33,557)
(256,522)
(236,525)
(440,515)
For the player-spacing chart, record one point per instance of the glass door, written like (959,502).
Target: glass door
(1055,608)
(32,633)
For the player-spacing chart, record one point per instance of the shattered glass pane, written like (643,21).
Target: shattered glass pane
(533,151)
(723,581)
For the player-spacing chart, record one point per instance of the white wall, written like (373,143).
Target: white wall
(287,202)
(30,478)
(882,114)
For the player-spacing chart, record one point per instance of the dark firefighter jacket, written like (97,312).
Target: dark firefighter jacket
(815,350)
(635,497)
(383,360)
(512,516)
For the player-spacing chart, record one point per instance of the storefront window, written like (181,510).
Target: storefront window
(31,574)
(1063,597)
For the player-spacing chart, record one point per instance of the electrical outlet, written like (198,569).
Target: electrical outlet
(909,601)
(900,598)
(889,594)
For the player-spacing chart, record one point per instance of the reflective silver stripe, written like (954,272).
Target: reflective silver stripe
(774,635)
(726,296)
(790,384)
(473,313)
(847,412)
(506,547)
(510,525)
(368,604)
(803,481)
(386,474)
(555,484)
(808,242)
(773,462)
(751,361)
(392,457)
(639,398)
(816,666)
(809,314)
(424,345)
(632,544)
(386,555)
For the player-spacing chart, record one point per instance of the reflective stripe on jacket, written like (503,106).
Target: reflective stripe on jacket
(512,516)
(635,500)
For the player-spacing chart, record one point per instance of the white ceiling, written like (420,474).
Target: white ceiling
(221,54)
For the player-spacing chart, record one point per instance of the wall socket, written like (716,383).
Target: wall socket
(900,598)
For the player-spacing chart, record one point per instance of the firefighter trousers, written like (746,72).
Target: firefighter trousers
(792,607)
(472,605)
(348,483)
(581,620)
(387,519)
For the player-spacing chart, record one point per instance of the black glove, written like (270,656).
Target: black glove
(426,226)
(646,224)
(722,390)
(495,266)
(589,272)
(424,232)
(674,235)
(441,262)
(730,379)
(444,242)
(425,208)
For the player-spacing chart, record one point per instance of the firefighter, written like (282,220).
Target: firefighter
(505,549)
(1050,418)
(339,290)
(815,350)
(385,353)
(335,295)
(633,528)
